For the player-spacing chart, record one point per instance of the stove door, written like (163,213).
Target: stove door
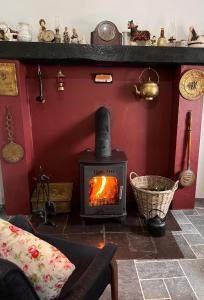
(103,189)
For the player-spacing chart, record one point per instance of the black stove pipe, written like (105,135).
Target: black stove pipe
(102,133)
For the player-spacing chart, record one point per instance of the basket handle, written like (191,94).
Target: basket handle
(157,210)
(133,174)
(175,186)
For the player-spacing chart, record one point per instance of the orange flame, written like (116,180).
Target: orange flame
(103,190)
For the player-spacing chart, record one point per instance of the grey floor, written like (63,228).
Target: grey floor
(176,279)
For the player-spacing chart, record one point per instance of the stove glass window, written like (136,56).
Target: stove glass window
(103,190)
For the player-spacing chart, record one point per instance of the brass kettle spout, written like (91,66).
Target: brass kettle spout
(136,90)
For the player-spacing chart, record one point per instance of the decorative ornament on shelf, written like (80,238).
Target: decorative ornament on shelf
(148,89)
(45,35)
(74,37)
(153,41)
(162,42)
(191,85)
(60,81)
(6,33)
(106,33)
(172,41)
(66,36)
(195,40)
(57,35)
(138,35)
(24,32)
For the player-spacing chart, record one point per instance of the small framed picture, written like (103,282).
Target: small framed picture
(103,78)
(8,80)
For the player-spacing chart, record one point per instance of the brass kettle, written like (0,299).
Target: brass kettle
(149,89)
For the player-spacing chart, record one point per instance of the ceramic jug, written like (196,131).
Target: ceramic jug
(24,32)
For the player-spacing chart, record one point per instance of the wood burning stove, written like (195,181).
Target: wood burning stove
(103,175)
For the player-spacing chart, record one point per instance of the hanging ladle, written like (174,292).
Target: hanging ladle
(187,177)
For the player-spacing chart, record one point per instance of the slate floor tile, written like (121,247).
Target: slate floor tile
(167,247)
(158,269)
(93,239)
(181,218)
(200,211)
(89,228)
(188,228)
(197,220)
(153,289)
(198,250)
(184,247)
(121,241)
(194,269)
(200,229)
(180,289)
(171,223)
(190,212)
(128,283)
(199,202)
(106,294)
(142,243)
(194,239)
(59,221)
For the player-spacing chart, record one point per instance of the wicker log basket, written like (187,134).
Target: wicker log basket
(152,193)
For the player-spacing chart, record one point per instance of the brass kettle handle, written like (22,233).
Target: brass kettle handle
(154,71)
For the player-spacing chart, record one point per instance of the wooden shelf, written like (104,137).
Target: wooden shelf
(32,52)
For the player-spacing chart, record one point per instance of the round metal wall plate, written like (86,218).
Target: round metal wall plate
(191,85)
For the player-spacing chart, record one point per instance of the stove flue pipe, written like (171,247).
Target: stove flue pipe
(102,133)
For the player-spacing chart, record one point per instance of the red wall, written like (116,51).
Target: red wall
(16,176)
(150,133)
(64,125)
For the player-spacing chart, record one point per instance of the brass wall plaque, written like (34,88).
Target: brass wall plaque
(8,80)
(191,85)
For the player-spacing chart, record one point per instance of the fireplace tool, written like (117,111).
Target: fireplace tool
(43,187)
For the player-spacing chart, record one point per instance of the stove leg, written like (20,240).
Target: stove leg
(83,221)
(123,220)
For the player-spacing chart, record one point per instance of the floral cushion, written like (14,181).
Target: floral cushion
(46,267)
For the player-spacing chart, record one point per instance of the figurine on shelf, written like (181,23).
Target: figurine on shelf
(6,33)
(3,36)
(66,37)
(42,30)
(172,42)
(137,35)
(45,35)
(74,37)
(57,35)
(153,41)
(195,40)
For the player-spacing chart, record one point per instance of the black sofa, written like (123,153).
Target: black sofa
(95,269)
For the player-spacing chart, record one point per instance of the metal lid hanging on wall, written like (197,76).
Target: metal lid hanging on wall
(147,89)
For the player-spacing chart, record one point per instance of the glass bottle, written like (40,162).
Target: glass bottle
(162,40)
